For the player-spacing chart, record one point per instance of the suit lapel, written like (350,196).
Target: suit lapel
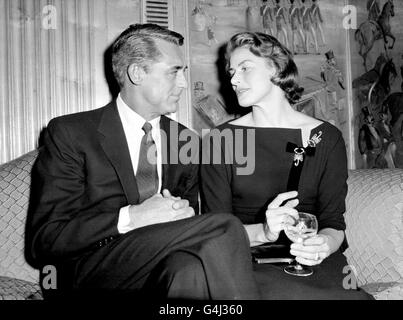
(114,143)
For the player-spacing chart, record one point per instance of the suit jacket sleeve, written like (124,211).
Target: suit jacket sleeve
(64,224)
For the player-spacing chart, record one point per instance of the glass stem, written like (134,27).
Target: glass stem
(298,267)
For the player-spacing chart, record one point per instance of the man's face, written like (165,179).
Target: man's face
(165,80)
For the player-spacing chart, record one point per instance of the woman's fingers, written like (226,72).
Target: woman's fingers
(278,201)
(307,257)
(315,241)
(308,262)
(292,203)
(282,211)
(312,251)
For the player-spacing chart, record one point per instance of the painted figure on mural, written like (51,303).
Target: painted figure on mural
(374,9)
(267,13)
(370,142)
(296,27)
(334,80)
(210,31)
(199,17)
(317,20)
(281,22)
(393,107)
(253,18)
(310,33)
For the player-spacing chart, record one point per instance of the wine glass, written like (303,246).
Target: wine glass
(304,227)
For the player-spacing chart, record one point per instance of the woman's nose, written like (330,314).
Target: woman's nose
(235,79)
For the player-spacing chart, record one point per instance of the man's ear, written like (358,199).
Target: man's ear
(135,74)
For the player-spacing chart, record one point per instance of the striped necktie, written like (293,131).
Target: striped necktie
(147,174)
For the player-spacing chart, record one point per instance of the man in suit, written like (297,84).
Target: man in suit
(113,210)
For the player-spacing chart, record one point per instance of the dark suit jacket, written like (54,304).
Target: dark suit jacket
(84,175)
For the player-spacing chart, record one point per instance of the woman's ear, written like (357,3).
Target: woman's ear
(135,74)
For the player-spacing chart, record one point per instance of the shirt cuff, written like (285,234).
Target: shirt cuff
(124,220)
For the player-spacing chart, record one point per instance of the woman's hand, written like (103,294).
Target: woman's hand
(277,216)
(312,251)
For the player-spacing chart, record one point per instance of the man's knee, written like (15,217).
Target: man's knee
(180,276)
(179,263)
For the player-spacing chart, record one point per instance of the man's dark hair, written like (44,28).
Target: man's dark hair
(276,54)
(137,44)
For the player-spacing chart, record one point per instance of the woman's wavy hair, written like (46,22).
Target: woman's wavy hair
(276,54)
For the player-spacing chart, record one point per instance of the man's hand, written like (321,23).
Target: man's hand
(159,209)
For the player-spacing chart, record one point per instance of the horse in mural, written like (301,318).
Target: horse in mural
(381,88)
(374,85)
(393,105)
(371,76)
(371,31)
(375,137)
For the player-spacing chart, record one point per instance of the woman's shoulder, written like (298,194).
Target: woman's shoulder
(331,130)
(329,134)
(315,124)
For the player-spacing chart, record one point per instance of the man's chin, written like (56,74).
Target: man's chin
(172,107)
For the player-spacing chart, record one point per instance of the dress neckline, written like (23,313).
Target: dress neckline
(253,127)
(313,130)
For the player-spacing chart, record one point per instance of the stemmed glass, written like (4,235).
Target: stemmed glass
(304,227)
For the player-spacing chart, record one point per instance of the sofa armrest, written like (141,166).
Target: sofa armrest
(374,218)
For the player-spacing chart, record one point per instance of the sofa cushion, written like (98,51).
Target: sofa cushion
(14,289)
(385,291)
(374,218)
(15,178)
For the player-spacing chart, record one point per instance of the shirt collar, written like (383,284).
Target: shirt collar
(131,117)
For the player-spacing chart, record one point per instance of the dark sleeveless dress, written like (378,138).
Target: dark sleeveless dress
(229,185)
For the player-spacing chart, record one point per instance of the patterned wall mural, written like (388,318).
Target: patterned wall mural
(377,55)
(311,29)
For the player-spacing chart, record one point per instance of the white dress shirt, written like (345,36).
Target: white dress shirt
(132,125)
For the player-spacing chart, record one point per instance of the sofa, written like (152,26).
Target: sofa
(374,218)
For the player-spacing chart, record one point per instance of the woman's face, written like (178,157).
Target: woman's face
(250,77)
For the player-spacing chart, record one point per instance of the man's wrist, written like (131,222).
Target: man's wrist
(124,220)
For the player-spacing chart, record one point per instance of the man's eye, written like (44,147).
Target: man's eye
(244,69)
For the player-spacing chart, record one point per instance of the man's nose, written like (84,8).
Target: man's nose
(181,81)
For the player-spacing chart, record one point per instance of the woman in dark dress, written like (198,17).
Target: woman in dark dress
(298,163)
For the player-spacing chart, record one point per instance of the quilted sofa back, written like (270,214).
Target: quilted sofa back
(15,180)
